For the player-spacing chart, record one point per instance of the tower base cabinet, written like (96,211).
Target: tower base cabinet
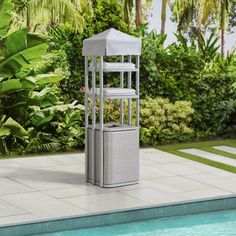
(120,155)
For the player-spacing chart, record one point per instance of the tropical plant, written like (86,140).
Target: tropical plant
(40,13)
(18,50)
(30,100)
(201,13)
(232,14)
(35,111)
(128,6)
(5,15)
(218,9)
(208,47)
(184,13)
(11,130)
(56,127)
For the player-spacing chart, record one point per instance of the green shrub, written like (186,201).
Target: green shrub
(168,72)
(163,122)
(181,72)
(160,120)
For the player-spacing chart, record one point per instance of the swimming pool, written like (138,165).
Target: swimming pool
(210,217)
(222,223)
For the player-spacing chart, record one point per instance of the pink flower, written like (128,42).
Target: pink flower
(82,90)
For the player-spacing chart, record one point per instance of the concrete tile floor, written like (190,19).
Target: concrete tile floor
(50,187)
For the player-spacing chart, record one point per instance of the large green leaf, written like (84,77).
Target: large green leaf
(14,85)
(4,131)
(5,7)
(40,120)
(48,78)
(28,83)
(16,129)
(62,108)
(9,86)
(18,50)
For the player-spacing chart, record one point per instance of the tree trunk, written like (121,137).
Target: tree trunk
(53,17)
(28,17)
(163,16)
(139,19)
(222,42)
(222,28)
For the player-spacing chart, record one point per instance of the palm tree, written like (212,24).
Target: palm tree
(128,6)
(218,9)
(223,18)
(53,12)
(163,16)
(139,17)
(183,12)
(201,12)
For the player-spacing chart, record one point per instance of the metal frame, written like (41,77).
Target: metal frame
(94,69)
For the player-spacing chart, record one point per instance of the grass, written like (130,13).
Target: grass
(205,146)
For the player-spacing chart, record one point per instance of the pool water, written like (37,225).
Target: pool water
(222,223)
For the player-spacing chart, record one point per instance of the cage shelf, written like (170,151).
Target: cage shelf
(115,67)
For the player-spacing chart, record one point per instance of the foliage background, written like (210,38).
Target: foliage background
(187,89)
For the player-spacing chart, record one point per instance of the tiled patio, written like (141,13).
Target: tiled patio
(49,187)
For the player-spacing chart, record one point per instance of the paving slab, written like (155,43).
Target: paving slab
(46,180)
(105,202)
(7,209)
(152,172)
(206,168)
(178,168)
(42,205)
(50,187)
(215,180)
(228,149)
(159,156)
(10,169)
(40,161)
(151,195)
(201,194)
(210,156)
(70,192)
(182,184)
(21,219)
(8,186)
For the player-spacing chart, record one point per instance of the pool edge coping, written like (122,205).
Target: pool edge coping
(125,216)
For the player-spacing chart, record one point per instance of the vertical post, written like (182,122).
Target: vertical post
(93,118)
(101,122)
(137,90)
(121,100)
(86,87)
(129,100)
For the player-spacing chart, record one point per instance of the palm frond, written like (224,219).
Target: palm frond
(39,13)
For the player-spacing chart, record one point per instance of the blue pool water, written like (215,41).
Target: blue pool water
(221,223)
